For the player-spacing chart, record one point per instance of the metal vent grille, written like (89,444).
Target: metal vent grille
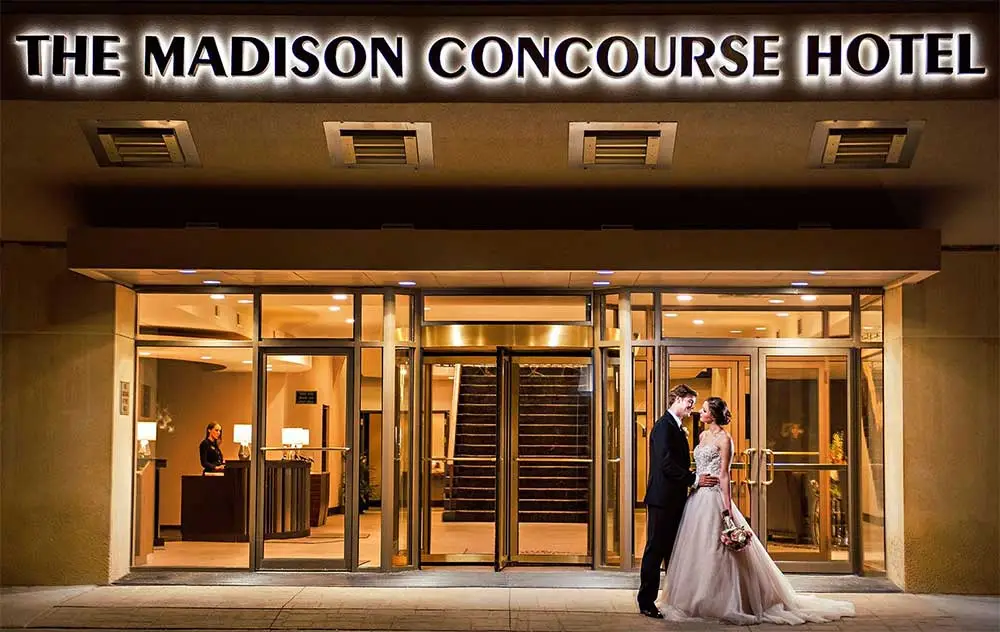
(141,143)
(379,147)
(369,144)
(624,145)
(864,144)
(635,149)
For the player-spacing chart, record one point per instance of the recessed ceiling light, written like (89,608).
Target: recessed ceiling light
(684,297)
(698,321)
(817,272)
(188,271)
(868,327)
(761,328)
(735,331)
(248,362)
(269,367)
(206,357)
(605,272)
(212,282)
(800,283)
(775,301)
(808,297)
(245,301)
(408,283)
(217,297)
(340,297)
(334,308)
(349,321)
(671,315)
(145,353)
(427,309)
(781,314)
(602,282)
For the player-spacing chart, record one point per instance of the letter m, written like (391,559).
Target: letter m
(156,55)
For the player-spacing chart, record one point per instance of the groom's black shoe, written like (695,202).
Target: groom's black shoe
(651,612)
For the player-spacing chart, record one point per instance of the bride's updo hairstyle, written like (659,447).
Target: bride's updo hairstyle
(720,410)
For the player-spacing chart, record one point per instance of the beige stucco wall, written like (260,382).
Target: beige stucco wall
(943,429)
(60,468)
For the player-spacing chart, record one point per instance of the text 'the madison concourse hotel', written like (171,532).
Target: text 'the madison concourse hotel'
(382,286)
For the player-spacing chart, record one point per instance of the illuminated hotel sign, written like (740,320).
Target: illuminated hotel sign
(512,60)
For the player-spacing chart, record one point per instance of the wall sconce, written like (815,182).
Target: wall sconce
(242,434)
(145,431)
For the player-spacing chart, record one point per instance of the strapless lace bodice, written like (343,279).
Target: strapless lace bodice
(708,460)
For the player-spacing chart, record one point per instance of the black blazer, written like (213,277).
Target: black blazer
(670,474)
(211,455)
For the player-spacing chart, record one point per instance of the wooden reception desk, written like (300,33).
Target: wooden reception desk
(215,508)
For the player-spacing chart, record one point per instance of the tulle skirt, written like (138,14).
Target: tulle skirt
(707,581)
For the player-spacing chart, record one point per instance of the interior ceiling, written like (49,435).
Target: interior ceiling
(430,279)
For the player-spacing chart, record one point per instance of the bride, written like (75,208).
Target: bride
(707,581)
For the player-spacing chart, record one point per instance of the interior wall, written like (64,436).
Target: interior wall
(195,395)
(123,454)
(59,469)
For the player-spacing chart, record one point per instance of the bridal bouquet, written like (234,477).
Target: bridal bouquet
(734,537)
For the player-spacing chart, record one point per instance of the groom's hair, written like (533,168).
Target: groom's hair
(679,392)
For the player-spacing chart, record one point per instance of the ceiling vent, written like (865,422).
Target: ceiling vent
(141,143)
(625,145)
(379,144)
(864,144)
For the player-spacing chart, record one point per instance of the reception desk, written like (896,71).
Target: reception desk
(216,508)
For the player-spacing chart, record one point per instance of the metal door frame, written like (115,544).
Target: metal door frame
(353,431)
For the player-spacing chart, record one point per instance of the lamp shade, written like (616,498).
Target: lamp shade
(242,433)
(145,431)
(294,436)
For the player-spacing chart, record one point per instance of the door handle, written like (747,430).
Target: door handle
(749,454)
(303,449)
(768,453)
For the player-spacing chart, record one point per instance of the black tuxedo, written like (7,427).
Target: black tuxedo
(670,479)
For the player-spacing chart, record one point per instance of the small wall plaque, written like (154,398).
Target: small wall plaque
(305,397)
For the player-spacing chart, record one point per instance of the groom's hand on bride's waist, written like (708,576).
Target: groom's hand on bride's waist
(707,480)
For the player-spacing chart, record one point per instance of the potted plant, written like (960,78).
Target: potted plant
(364,486)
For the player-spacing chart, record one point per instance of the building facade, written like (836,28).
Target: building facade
(425,273)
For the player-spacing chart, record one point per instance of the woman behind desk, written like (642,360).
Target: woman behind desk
(211,456)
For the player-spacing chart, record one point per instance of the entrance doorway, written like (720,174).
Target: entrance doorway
(507,459)
(791,432)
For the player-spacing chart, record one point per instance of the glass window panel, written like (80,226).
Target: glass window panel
(642,316)
(402,471)
(182,391)
(871,318)
(404,317)
(840,324)
(369,544)
(612,458)
(470,309)
(307,316)
(372,318)
(872,463)
(195,317)
(644,417)
(752,315)
(609,310)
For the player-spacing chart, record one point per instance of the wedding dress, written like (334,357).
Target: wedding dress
(707,581)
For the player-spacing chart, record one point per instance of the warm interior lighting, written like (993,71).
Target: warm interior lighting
(684,297)
(295,437)
(248,362)
(212,282)
(145,353)
(809,298)
(698,321)
(761,328)
(206,357)
(605,272)
(782,314)
(735,331)
(408,283)
(800,283)
(245,301)
(334,308)
(242,434)
(349,321)
(776,301)
(602,282)
(145,431)
(671,315)
(217,297)
(188,271)
(817,272)
(340,297)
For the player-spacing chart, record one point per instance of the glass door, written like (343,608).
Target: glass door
(803,458)
(726,375)
(306,495)
(459,482)
(550,475)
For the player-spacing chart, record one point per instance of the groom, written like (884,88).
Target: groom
(670,479)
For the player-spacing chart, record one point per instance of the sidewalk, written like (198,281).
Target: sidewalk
(428,609)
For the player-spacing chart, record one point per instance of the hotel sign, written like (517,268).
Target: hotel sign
(501,59)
